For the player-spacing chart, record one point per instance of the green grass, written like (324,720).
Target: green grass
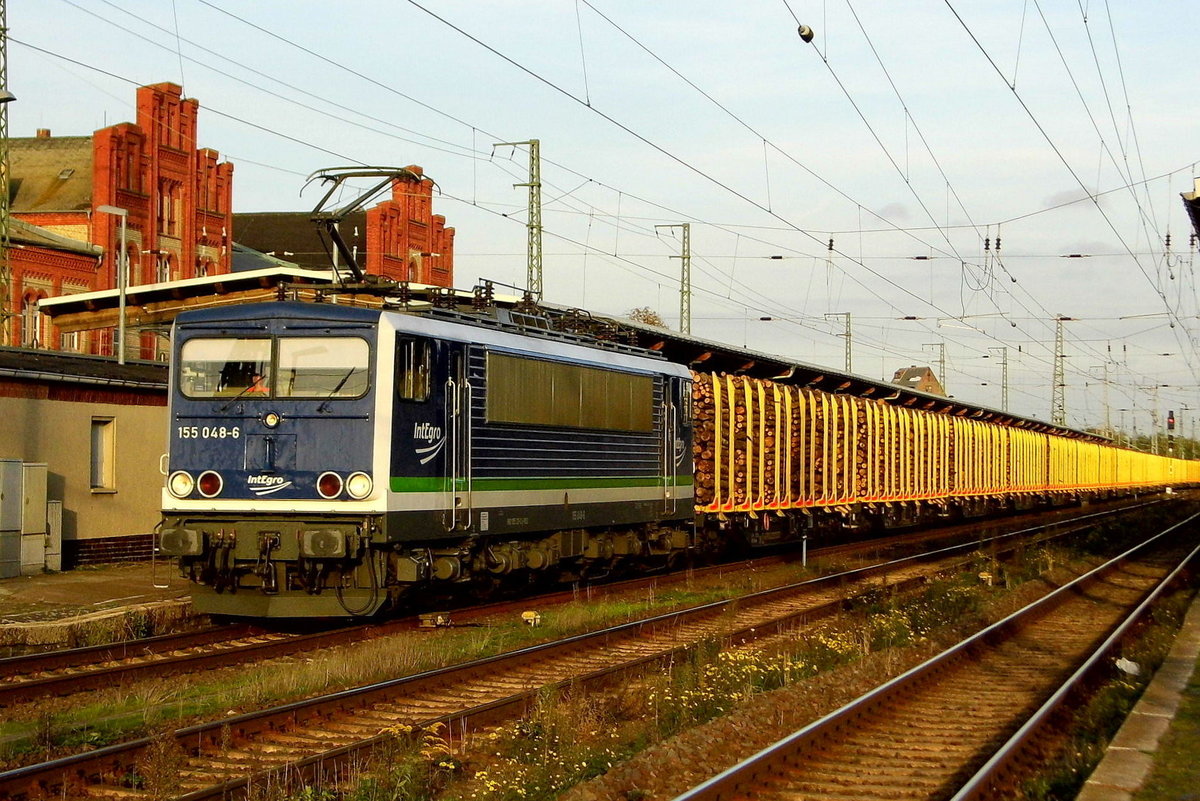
(55,728)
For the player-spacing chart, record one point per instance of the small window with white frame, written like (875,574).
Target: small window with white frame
(104,439)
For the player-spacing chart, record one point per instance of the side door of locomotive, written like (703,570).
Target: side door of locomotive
(676,439)
(424,460)
(457,403)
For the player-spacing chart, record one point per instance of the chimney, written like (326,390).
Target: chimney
(43,133)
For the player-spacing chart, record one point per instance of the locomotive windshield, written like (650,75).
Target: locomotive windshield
(322,367)
(217,368)
(300,367)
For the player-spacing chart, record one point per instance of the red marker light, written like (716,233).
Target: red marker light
(209,484)
(329,485)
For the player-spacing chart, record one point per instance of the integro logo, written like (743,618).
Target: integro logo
(425,432)
(265,485)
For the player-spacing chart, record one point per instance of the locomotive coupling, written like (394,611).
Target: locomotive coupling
(323,543)
(180,542)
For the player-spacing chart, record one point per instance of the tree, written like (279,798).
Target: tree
(648,316)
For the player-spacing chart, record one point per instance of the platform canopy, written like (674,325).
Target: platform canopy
(158,304)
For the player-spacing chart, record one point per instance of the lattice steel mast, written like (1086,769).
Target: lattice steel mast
(685,275)
(1003,376)
(941,362)
(6,305)
(534,226)
(847,335)
(1058,398)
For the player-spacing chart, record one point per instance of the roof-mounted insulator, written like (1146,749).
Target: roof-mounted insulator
(484,296)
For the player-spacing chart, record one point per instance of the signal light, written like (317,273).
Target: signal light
(329,485)
(1170,421)
(209,484)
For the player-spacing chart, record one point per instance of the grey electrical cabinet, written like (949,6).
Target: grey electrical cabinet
(10,517)
(33,518)
(54,513)
(22,518)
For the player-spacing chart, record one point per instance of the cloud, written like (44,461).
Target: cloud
(895,212)
(1074,196)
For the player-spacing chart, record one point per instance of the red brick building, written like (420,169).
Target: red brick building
(400,238)
(46,264)
(178,197)
(405,239)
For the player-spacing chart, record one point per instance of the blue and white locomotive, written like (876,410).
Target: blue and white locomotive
(324,459)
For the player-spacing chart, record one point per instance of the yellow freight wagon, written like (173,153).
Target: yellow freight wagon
(765,446)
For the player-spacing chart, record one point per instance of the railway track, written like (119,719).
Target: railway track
(67,672)
(919,735)
(304,739)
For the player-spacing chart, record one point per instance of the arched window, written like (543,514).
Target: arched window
(163,268)
(133,261)
(31,320)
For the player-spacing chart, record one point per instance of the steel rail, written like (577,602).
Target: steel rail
(314,767)
(737,780)
(57,776)
(1000,767)
(16,691)
(66,658)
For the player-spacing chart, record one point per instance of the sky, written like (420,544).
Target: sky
(955,175)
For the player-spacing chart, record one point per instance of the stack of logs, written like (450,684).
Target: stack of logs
(951,454)
(704,416)
(861,461)
(757,412)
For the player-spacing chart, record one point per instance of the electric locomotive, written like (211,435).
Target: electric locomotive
(326,459)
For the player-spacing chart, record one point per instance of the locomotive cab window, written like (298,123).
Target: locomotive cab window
(413,358)
(323,367)
(217,368)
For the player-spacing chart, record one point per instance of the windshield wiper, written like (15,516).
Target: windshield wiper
(336,389)
(236,397)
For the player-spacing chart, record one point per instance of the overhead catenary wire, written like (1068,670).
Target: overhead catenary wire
(225,114)
(1041,129)
(209,4)
(622,213)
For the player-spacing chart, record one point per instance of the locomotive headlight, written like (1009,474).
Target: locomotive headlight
(209,484)
(329,485)
(358,485)
(181,484)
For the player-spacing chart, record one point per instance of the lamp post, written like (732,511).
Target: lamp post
(122,279)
